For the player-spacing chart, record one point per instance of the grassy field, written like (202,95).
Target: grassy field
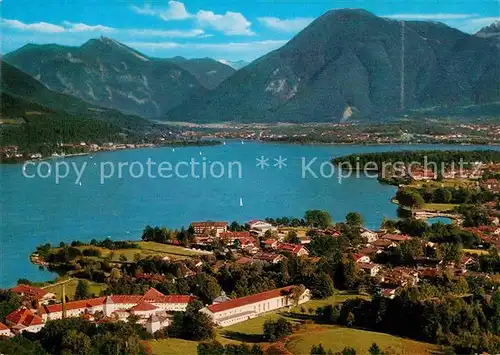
(94,288)
(333,337)
(146,249)
(445,183)
(337,338)
(438,207)
(475,252)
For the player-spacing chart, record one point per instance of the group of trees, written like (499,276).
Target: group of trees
(440,158)
(275,330)
(190,325)
(417,197)
(216,348)
(168,236)
(9,302)
(320,350)
(75,336)
(446,320)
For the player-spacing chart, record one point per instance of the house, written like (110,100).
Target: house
(270,244)
(466,261)
(269,257)
(24,320)
(108,305)
(370,268)
(400,276)
(157,322)
(209,227)
(384,244)
(295,249)
(5,331)
(397,238)
(491,185)
(260,227)
(423,174)
(389,292)
(230,237)
(369,235)
(37,293)
(361,258)
(241,309)
(244,242)
(428,263)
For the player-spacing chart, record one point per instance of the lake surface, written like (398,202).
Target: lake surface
(36,211)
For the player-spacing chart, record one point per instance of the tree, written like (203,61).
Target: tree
(318,219)
(123,258)
(354,219)
(210,348)
(296,293)
(275,330)
(207,287)
(375,350)
(409,198)
(348,351)
(318,350)
(82,290)
(76,343)
(192,324)
(321,285)
(411,249)
(148,234)
(9,302)
(292,237)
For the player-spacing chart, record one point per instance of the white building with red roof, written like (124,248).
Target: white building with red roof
(24,320)
(241,309)
(108,305)
(31,291)
(295,249)
(260,227)
(5,331)
(209,226)
(361,258)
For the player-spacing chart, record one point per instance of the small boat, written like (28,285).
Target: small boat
(242,142)
(224,143)
(201,153)
(241,202)
(80,183)
(173,149)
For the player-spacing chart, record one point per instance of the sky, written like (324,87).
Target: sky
(221,29)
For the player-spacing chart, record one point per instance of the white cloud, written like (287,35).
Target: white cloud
(36,27)
(175,11)
(82,27)
(286,25)
(437,16)
(71,27)
(231,23)
(475,24)
(167,33)
(236,47)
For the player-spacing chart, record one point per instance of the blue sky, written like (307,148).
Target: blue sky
(221,29)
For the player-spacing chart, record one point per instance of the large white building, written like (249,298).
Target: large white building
(151,308)
(241,309)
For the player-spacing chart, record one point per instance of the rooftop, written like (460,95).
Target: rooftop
(243,301)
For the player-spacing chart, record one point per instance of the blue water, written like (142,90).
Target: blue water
(36,211)
(443,220)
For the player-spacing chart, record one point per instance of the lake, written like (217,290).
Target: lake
(35,210)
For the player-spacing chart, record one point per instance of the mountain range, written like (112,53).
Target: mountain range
(349,63)
(34,116)
(346,64)
(107,73)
